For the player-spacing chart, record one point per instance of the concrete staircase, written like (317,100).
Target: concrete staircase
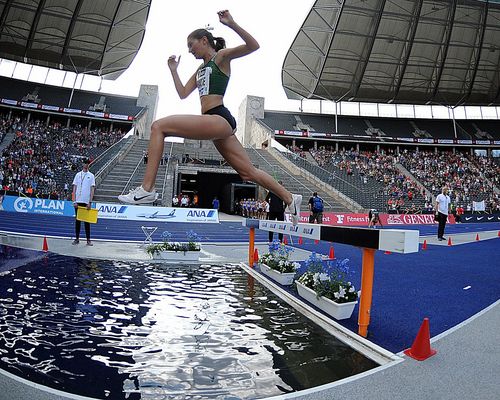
(9,137)
(295,183)
(115,182)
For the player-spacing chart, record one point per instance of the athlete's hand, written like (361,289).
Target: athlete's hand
(225,18)
(173,63)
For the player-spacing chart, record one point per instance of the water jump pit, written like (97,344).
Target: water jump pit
(124,330)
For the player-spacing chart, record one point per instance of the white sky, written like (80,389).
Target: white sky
(274,23)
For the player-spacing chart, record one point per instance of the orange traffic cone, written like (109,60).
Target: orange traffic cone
(45,245)
(300,240)
(424,246)
(331,255)
(477,236)
(285,240)
(255,256)
(421,347)
(449,242)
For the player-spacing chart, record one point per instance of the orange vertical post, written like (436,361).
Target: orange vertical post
(251,245)
(365,301)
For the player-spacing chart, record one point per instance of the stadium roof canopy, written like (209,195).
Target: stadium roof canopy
(98,37)
(397,51)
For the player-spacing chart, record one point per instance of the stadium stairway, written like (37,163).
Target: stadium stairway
(127,174)
(296,183)
(9,137)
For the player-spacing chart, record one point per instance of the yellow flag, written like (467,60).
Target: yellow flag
(87,215)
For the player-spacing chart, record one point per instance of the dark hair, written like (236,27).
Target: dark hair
(217,43)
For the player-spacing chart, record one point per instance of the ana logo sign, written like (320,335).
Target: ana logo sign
(23,204)
(201,213)
(112,209)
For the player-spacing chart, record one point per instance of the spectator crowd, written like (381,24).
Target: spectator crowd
(35,161)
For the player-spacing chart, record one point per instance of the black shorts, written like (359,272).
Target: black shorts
(224,113)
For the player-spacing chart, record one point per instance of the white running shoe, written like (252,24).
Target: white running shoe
(294,208)
(138,196)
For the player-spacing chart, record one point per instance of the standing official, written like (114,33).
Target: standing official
(83,193)
(442,209)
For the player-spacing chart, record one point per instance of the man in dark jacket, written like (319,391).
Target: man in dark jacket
(276,211)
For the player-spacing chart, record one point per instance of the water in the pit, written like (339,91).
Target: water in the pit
(145,331)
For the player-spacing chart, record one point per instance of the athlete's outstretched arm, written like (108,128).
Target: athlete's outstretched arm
(183,90)
(235,52)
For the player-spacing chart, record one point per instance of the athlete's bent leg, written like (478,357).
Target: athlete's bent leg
(234,153)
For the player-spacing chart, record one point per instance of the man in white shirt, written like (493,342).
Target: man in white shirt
(83,192)
(442,208)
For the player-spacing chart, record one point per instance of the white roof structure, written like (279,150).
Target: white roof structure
(397,51)
(82,36)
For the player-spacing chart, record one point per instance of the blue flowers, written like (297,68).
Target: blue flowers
(278,258)
(330,279)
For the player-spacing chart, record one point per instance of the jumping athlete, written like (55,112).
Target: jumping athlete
(216,122)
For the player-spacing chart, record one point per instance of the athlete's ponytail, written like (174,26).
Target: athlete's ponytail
(220,43)
(217,43)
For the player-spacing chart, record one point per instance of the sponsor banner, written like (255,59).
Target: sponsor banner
(38,206)
(318,134)
(51,108)
(483,142)
(425,140)
(8,101)
(111,211)
(120,116)
(475,218)
(446,141)
(159,214)
(310,231)
(358,219)
(72,110)
(95,114)
(29,105)
(496,142)
(463,141)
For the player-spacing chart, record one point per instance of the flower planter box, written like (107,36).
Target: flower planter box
(336,310)
(283,278)
(177,255)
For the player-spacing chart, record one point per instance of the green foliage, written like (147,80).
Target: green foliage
(191,245)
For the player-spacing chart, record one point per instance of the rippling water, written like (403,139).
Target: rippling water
(146,331)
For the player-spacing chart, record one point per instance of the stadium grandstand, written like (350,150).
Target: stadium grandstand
(366,161)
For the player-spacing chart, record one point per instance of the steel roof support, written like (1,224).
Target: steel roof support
(477,52)
(444,48)
(358,75)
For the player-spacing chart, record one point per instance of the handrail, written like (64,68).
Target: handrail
(121,142)
(131,176)
(166,173)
